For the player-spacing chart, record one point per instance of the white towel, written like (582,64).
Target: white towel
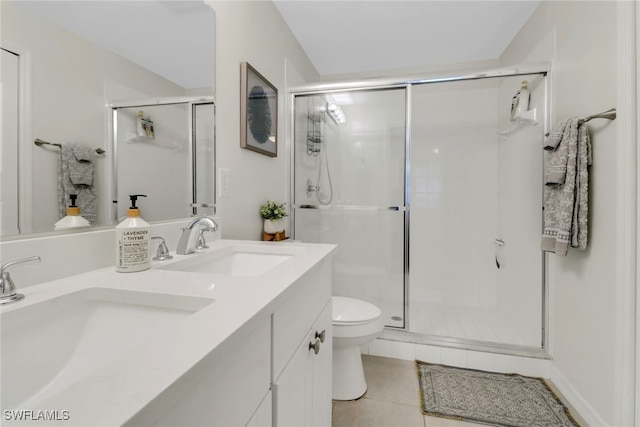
(69,165)
(566,187)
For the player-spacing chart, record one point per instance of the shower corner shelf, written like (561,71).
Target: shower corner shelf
(528,118)
(316,117)
(154,142)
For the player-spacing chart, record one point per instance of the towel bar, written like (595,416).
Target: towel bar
(610,114)
(40,142)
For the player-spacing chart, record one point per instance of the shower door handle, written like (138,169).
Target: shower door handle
(353,207)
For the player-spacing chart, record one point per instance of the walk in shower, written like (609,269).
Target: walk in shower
(433,192)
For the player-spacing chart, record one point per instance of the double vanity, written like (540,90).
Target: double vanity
(239,334)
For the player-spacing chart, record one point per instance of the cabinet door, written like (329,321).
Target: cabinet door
(292,390)
(262,417)
(302,393)
(322,365)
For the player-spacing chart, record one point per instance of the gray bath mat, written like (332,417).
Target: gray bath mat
(490,398)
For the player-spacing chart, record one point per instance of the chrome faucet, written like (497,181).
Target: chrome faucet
(162,253)
(7,288)
(192,234)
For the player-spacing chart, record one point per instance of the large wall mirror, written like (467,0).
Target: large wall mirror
(65,64)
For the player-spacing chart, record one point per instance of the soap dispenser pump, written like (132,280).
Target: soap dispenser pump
(132,241)
(73,218)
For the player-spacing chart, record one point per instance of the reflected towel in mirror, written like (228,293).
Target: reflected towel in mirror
(76,173)
(81,170)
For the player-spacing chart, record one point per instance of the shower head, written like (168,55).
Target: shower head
(336,113)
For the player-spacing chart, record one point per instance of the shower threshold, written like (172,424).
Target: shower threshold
(400,335)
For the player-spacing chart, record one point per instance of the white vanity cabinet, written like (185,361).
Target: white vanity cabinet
(302,355)
(217,346)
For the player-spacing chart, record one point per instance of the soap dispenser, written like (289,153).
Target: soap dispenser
(141,125)
(132,241)
(73,218)
(522,104)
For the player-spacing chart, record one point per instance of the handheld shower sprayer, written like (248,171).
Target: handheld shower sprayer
(316,120)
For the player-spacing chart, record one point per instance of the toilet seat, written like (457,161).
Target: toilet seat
(350,311)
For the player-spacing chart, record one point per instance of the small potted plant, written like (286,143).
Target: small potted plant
(273,215)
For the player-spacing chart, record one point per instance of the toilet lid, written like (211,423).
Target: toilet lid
(350,310)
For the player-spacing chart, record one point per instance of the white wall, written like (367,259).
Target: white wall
(252,31)
(580,40)
(71,81)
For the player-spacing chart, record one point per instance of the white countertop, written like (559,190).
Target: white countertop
(117,391)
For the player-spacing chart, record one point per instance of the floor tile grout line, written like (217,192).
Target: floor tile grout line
(394,402)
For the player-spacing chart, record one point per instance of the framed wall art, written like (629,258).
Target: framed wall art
(258,112)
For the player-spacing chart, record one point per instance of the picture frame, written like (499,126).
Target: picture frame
(258,112)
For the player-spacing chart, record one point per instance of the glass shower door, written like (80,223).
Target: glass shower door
(476,265)
(349,189)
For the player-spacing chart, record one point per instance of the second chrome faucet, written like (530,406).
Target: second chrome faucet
(192,233)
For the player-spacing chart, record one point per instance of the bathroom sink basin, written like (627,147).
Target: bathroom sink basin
(47,346)
(241,260)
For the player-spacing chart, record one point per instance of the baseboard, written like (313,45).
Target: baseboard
(574,399)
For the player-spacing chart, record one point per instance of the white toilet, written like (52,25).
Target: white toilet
(355,322)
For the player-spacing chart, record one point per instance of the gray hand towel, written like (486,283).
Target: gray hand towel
(555,170)
(81,166)
(87,199)
(566,202)
(581,208)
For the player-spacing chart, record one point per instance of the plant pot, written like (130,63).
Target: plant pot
(273,226)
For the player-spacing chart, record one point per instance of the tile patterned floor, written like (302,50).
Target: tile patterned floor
(392,399)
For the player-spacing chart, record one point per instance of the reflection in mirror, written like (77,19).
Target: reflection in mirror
(164,150)
(70,60)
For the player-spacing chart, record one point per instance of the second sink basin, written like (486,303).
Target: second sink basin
(239,260)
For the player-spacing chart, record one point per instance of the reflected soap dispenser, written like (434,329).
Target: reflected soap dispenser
(132,241)
(73,218)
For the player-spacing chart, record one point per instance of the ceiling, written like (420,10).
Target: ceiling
(170,38)
(354,36)
(340,37)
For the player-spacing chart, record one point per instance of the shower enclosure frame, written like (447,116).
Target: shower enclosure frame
(112,129)
(404,334)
